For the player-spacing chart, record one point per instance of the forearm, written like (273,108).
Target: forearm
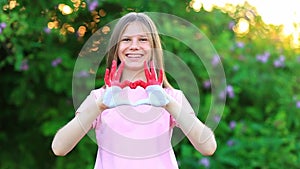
(69,135)
(199,134)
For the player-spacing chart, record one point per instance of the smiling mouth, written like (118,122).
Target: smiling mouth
(134,55)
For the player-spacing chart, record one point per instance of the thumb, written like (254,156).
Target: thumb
(100,104)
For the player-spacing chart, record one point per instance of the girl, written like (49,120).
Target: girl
(134,113)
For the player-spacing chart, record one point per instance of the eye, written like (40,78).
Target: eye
(144,39)
(125,39)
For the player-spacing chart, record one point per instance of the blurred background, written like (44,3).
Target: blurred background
(258,43)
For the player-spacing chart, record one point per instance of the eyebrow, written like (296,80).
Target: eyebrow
(135,35)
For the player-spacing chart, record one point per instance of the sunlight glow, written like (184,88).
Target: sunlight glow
(277,13)
(242,27)
(196,5)
(65,9)
(207,5)
(296,40)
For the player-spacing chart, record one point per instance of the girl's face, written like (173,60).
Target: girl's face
(134,46)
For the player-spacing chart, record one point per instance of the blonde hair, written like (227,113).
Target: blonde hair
(146,21)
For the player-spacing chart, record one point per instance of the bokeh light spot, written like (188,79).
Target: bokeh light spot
(81,31)
(65,9)
(242,27)
(105,29)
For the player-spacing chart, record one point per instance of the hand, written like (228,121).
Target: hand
(157,96)
(100,103)
(151,77)
(111,97)
(114,97)
(112,77)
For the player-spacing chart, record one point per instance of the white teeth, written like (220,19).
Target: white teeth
(134,55)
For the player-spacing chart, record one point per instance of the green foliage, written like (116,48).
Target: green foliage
(260,123)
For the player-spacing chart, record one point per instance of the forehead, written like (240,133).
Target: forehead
(134,29)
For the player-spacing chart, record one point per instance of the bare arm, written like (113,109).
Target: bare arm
(201,137)
(69,135)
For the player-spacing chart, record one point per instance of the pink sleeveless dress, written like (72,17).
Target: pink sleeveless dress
(135,137)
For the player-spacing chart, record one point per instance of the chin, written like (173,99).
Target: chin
(135,66)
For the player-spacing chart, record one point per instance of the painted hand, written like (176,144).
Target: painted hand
(112,77)
(151,77)
(114,86)
(156,94)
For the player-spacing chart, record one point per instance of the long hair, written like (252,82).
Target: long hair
(146,21)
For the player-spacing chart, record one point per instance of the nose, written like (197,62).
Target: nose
(134,45)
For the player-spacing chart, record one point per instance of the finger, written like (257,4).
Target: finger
(113,69)
(103,107)
(143,84)
(153,73)
(119,72)
(124,83)
(132,85)
(147,73)
(160,77)
(106,77)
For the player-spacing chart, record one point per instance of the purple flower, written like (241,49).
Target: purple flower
(231,24)
(24,65)
(230,91)
(56,62)
(205,162)
(230,143)
(215,60)
(206,84)
(2,25)
(232,125)
(217,118)
(263,57)
(236,67)
(47,30)
(82,74)
(279,62)
(240,44)
(92,5)
(281,58)
(298,104)
(298,58)
(222,95)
